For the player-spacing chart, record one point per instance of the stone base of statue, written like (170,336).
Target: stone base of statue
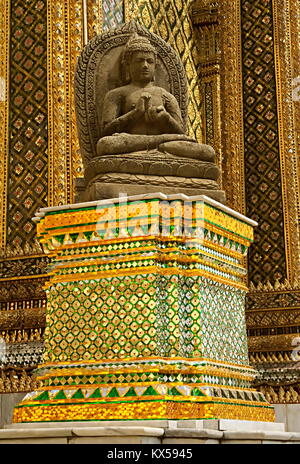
(147,172)
(145,315)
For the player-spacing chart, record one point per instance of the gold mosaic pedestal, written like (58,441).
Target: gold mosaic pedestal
(145,316)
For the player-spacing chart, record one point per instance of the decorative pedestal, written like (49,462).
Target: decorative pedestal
(145,315)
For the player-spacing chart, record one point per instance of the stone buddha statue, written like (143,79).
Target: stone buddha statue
(133,135)
(141,115)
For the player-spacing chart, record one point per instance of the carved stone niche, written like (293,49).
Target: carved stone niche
(99,70)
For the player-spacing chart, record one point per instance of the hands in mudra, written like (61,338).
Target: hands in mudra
(151,113)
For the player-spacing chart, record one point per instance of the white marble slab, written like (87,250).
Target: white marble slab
(172,432)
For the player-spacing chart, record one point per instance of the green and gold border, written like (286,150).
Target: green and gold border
(153,410)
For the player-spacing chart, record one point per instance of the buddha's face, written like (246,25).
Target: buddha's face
(142,67)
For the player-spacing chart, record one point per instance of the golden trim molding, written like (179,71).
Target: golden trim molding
(65,41)
(231,105)
(281,342)
(4,116)
(287,64)
(287,394)
(94,17)
(14,380)
(221,65)
(206,19)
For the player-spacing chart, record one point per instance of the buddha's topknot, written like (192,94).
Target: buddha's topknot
(138,43)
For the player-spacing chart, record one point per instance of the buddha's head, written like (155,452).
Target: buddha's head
(139,59)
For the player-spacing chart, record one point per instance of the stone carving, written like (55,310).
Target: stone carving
(131,102)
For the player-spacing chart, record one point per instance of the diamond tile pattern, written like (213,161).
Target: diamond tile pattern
(113,13)
(145,315)
(223,315)
(262,159)
(120,308)
(27,190)
(209,114)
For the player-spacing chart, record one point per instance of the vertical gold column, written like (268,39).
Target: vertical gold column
(205,17)
(231,104)
(217,24)
(287,63)
(94,17)
(65,41)
(4,117)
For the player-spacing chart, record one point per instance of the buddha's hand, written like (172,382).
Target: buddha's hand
(143,104)
(156,114)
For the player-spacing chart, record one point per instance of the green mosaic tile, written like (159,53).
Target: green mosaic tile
(60,395)
(78,394)
(43,396)
(96,394)
(150,391)
(113,393)
(131,392)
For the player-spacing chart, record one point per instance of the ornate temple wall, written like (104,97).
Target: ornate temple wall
(243,69)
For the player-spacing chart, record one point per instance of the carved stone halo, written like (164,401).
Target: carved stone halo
(99,69)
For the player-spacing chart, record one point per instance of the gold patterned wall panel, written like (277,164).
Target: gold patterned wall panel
(206,20)
(263,174)
(39,40)
(112,13)
(171,21)
(287,62)
(228,100)
(259,104)
(65,41)
(271,34)
(231,104)
(27,184)
(4,78)
(218,34)
(94,17)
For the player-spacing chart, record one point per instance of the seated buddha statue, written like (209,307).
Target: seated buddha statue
(142,116)
(131,105)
